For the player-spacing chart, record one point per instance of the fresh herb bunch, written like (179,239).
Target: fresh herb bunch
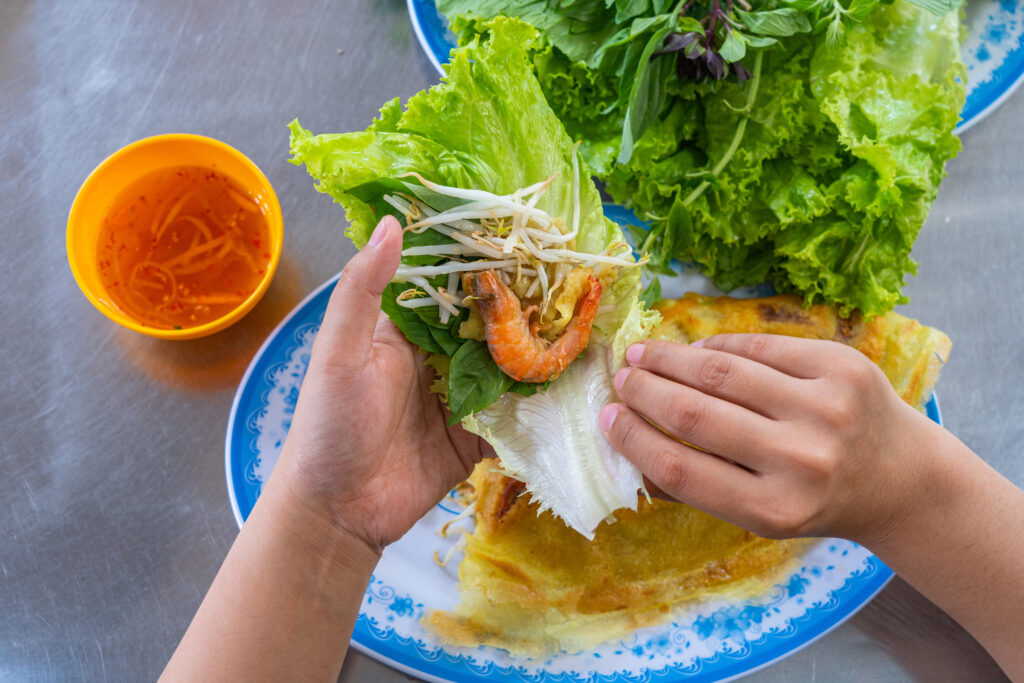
(635,38)
(797,142)
(708,39)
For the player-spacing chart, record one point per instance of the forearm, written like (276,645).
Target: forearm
(284,603)
(962,546)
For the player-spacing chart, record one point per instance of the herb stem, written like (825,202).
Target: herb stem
(651,236)
(737,137)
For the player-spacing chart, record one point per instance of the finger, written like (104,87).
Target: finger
(730,377)
(795,356)
(688,475)
(469,447)
(654,492)
(684,413)
(467,442)
(386,332)
(355,303)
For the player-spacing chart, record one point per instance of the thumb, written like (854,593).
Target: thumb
(355,303)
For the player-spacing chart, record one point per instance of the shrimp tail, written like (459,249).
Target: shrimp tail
(513,341)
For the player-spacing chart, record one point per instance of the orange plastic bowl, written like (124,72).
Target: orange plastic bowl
(126,165)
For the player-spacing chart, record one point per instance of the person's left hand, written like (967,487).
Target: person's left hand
(368,448)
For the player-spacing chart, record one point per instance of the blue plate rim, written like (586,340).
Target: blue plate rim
(734,671)
(244,386)
(994,103)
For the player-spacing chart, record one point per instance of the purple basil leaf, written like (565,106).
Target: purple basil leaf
(690,68)
(741,71)
(676,42)
(715,64)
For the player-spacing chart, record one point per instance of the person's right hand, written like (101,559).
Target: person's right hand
(790,437)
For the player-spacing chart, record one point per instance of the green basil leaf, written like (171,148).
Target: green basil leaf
(627,71)
(474,381)
(627,9)
(688,25)
(435,200)
(777,22)
(447,339)
(757,42)
(527,389)
(406,320)
(805,5)
(427,238)
(645,24)
(734,47)
(679,228)
(652,292)
(647,94)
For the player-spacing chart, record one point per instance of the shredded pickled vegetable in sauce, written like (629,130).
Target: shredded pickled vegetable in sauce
(183,246)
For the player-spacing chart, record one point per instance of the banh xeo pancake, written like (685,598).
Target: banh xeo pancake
(532,586)
(909,353)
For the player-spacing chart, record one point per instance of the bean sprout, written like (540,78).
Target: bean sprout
(507,233)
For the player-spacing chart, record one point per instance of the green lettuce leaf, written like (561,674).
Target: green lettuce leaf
(838,163)
(552,440)
(489,126)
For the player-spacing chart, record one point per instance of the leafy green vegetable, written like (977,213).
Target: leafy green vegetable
(412,326)
(631,40)
(489,126)
(777,22)
(646,96)
(474,381)
(815,173)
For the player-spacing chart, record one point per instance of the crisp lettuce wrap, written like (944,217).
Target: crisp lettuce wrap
(488,129)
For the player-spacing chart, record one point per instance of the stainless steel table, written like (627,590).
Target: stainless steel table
(113,511)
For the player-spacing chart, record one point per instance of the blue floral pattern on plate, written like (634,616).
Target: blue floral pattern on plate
(713,640)
(993,51)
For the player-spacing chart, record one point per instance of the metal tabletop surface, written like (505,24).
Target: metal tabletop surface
(113,511)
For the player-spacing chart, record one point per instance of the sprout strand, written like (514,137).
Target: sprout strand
(508,234)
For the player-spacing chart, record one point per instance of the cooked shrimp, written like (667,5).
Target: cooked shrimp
(512,338)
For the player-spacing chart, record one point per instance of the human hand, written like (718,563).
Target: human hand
(794,437)
(368,448)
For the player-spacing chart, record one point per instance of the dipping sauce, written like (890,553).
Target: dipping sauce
(182,246)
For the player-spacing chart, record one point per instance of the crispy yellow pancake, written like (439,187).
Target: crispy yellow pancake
(532,586)
(909,353)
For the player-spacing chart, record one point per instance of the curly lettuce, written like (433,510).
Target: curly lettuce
(818,184)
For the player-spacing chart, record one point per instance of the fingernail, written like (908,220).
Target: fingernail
(379,233)
(607,416)
(620,378)
(699,343)
(634,353)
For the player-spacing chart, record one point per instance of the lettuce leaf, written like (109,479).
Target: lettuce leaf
(552,440)
(840,160)
(489,126)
